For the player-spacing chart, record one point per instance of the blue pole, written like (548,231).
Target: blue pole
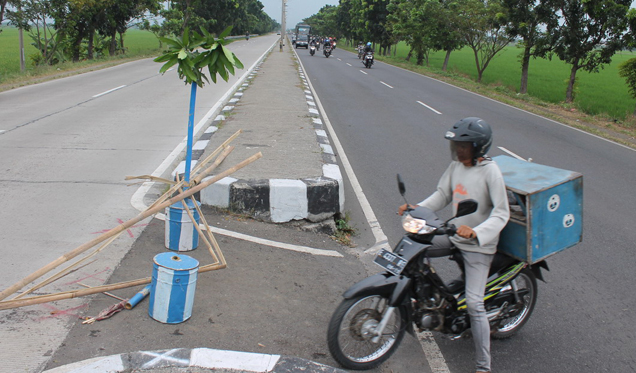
(193,100)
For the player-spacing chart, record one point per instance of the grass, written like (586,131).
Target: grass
(139,44)
(603,93)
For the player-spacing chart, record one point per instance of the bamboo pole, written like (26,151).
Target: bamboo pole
(68,269)
(122,227)
(15,303)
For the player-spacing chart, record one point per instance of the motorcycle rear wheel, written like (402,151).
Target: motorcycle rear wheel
(527,282)
(350,332)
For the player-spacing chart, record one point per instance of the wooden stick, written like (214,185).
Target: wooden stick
(9,304)
(197,179)
(151,178)
(122,227)
(104,292)
(68,269)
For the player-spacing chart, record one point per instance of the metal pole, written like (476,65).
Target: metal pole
(283,30)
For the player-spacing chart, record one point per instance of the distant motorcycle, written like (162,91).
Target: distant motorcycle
(368,60)
(327,51)
(360,51)
(312,50)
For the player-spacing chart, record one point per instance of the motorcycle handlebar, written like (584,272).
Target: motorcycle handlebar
(449,230)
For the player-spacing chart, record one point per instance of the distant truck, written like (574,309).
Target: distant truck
(302,34)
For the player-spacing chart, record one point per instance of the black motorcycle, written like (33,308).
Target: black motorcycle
(312,50)
(368,60)
(369,324)
(327,51)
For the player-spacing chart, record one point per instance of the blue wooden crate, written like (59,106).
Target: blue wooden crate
(548,216)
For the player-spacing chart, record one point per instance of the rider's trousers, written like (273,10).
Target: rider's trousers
(476,267)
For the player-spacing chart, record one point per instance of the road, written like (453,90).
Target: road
(392,121)
(65,148)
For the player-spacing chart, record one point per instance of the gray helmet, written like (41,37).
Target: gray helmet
(474,130)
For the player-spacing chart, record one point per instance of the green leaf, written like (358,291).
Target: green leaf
(168,65)
(228,54)
(186,36)
(165,57)
(225,32)
(171,42)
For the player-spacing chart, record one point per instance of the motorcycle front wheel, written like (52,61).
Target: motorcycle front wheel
(351,332)
(526,283)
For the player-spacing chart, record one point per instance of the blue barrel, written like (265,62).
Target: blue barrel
(174,279)
(181,233)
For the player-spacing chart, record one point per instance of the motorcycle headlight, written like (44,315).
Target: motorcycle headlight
(416,226)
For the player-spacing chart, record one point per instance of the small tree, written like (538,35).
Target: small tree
(193,53)
(627,70)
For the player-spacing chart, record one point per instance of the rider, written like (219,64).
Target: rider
(367,48)
(327,42)
(472,174)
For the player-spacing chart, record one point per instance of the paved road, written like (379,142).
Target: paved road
(66,147)
(390,120)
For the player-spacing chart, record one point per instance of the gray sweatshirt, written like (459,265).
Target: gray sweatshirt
(483,183)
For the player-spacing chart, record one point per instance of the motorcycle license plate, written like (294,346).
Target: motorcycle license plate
(389,261)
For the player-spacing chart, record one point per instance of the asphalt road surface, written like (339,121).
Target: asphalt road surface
(392,121)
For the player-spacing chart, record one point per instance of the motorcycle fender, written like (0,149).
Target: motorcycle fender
(393,287)
(536,269)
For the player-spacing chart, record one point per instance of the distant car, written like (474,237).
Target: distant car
(278,33)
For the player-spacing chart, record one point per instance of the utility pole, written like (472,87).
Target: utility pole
(22,57)
(283,30)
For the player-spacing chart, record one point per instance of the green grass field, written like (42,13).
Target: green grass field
(137,43)
(603,93)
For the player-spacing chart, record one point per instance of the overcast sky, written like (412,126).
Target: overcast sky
(296,9)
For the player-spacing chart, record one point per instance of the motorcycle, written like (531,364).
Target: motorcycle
(369,324)
(312,50)
(368,60)
(327,51)
(360,51)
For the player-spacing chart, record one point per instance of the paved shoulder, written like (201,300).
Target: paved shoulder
(195,360)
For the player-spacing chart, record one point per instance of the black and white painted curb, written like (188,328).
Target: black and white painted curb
(277,200)
(203,358)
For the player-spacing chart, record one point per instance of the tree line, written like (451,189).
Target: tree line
(584,34)
(74,30)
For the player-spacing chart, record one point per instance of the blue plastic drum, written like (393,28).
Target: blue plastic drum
(174,279)
(181,233)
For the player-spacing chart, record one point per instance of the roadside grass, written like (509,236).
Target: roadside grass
(603,93)
(138,43)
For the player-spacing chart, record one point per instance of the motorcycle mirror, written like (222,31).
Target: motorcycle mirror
(466,207)
(401,185)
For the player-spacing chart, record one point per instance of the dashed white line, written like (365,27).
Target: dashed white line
(2,131)
(514,155)
(109,91)
(428,107)
(363,72)
(386,84)
(349,64)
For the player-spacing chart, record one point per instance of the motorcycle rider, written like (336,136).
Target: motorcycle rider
(367,48)
(472,174)
(327,42)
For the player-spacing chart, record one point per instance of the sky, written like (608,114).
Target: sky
(296,9)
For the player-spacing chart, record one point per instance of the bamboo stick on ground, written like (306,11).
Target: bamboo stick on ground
(122,227)
(15,303)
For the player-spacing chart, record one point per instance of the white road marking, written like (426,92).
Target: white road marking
(514,155)
(349,64)
(386,84)
(428,107)
(2,131)
(109,91)
(363,72)
(429,346)
(280,245)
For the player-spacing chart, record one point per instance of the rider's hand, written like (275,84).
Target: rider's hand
(403,208)
(465,231)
